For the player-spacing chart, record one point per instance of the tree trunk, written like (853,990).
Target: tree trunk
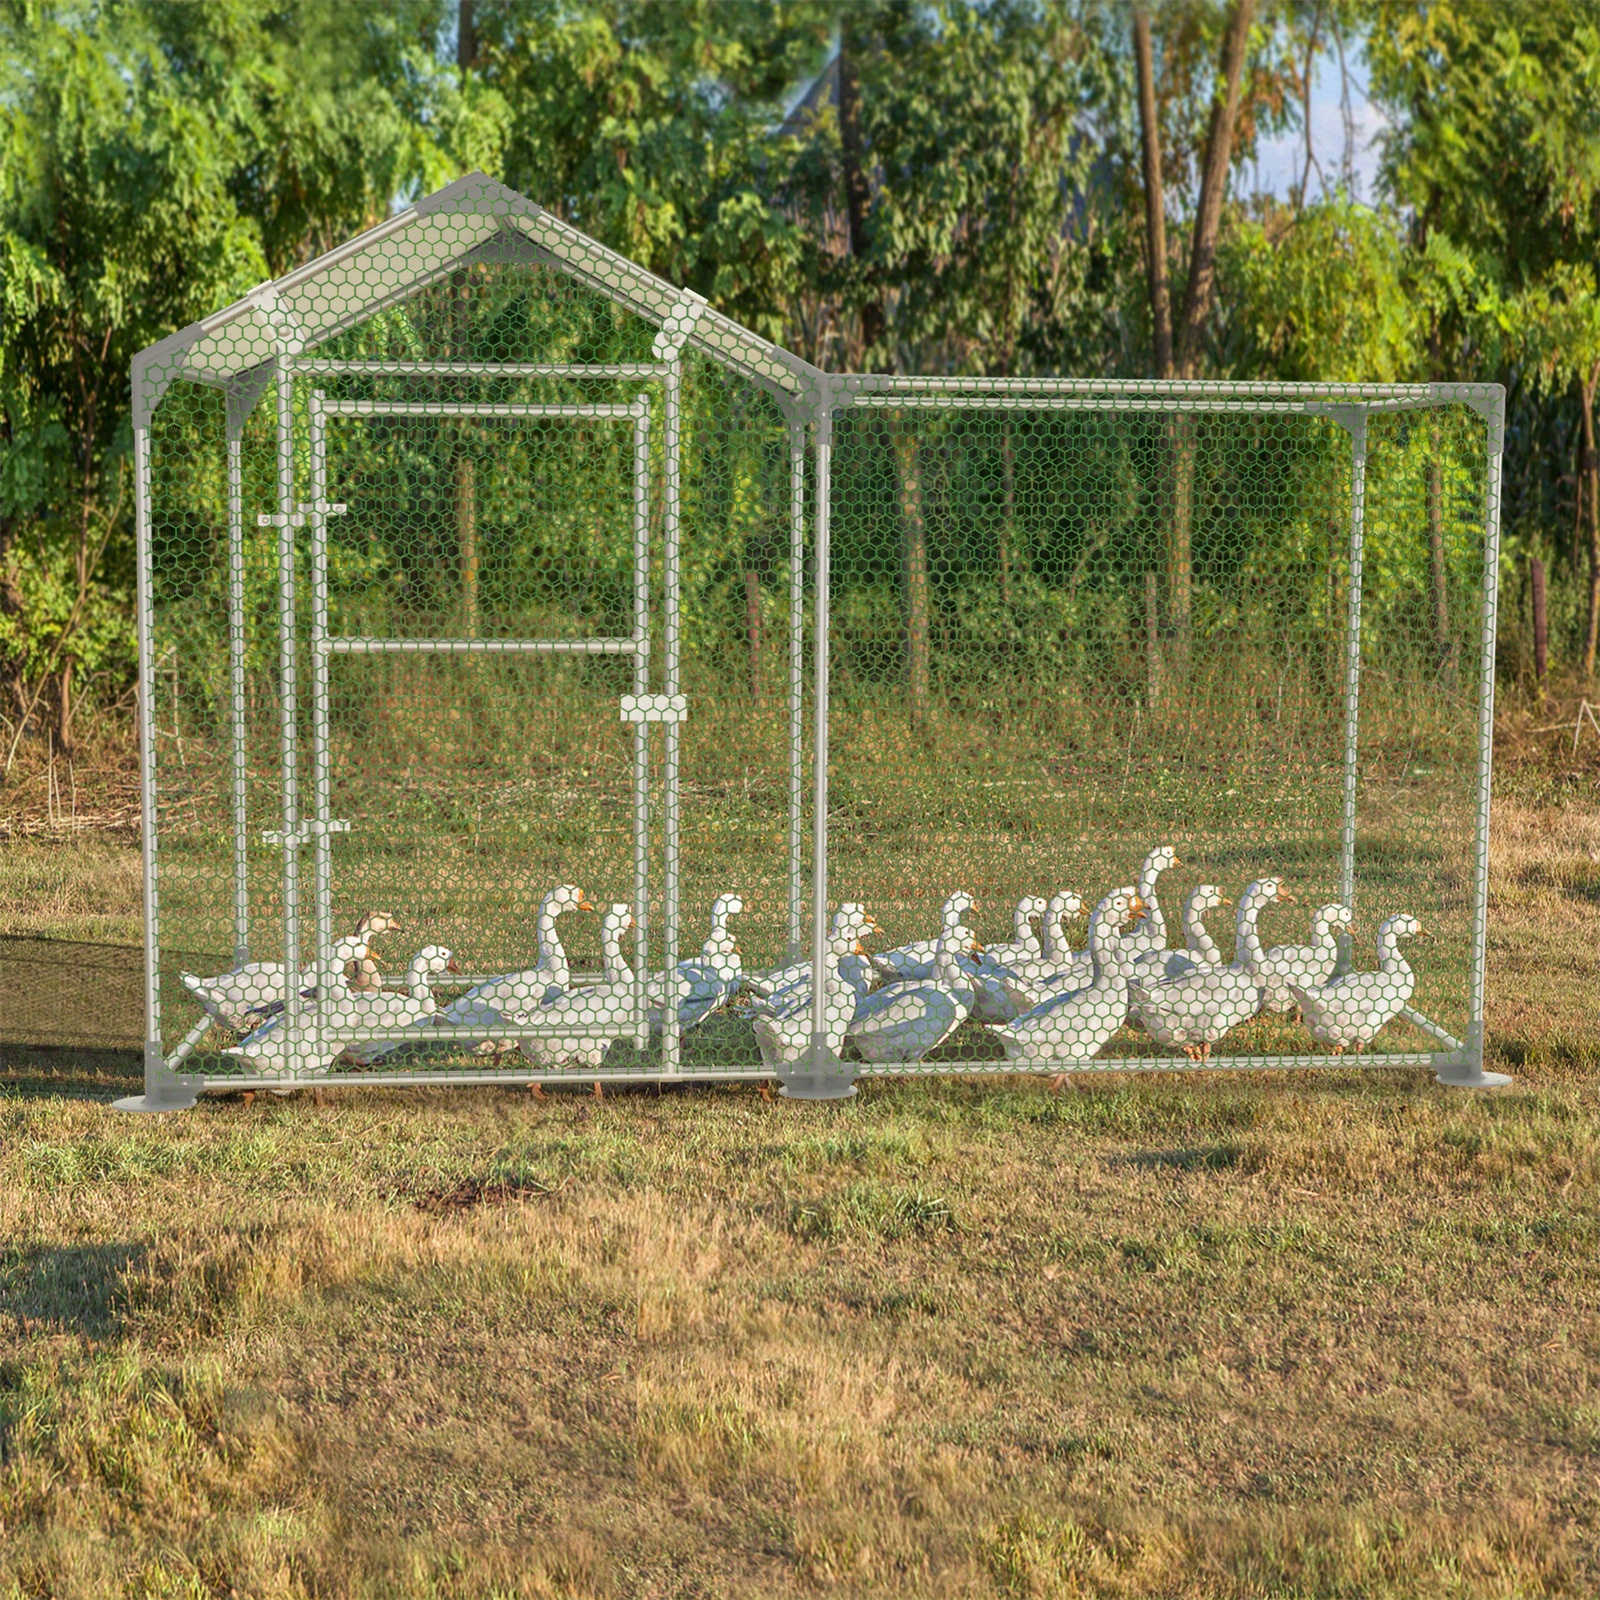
(1444,645)
(466,36)
(1541,625)
(1213,186)
(467,540)
(919,608)
(1155,204)
(64,708)
(752,628)
(857,185)
(1591,480)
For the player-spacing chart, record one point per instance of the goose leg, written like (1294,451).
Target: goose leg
(316,1097)
(1057,1081)
(765,1090)
(537,1091)
(599,1091)
(249,1098)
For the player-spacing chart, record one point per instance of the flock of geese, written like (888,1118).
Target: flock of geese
(1042,999)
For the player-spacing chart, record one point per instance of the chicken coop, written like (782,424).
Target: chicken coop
(547,680)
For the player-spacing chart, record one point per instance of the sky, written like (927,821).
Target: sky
(1279,161)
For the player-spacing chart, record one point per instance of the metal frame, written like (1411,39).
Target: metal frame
(210,352)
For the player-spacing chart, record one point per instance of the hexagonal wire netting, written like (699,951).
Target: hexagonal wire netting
(487,737)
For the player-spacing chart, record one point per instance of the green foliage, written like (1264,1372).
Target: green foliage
(1318,296)
(158,158)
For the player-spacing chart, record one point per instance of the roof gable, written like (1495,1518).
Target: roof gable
(473,219)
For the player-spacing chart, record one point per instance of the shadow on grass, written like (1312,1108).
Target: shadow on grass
(68,1289)
(34,1072)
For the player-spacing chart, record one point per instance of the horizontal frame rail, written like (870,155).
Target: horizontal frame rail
(488,369)
(915,1069)
(957,400)
(613,410)
(443,1078)
(354,646)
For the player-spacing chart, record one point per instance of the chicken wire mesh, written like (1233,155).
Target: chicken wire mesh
(554,676)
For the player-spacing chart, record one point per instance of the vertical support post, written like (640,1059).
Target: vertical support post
(161,1091)
(322,846)
(288,700)
(670,731)
(153,1063)
(641,731)
(1356,422)
(1471,1073)
(797,604)
(236,690)
(819,1077)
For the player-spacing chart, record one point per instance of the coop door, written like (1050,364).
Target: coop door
(479,648)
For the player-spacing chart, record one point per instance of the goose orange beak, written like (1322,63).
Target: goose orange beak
(450,965)
(1137,909)
(583,905)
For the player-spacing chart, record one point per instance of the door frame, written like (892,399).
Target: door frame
(640,708)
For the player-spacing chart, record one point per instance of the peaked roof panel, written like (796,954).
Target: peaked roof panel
(472,218)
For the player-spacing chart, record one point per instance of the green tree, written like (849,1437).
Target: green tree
(157,159)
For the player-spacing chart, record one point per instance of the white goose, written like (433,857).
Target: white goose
(484,1006)
(1152,934)
(1309,965)
(268,1047)
(1079,1022)
(1025,943)
(239,999)
(916,960)
(1201,949)
(785,989)
(1016,986)
(712,980)
(1193,1011)
(904,1021)
(591,1015)
(785,1039)
(1350,1011)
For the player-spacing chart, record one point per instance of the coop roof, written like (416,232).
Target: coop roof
(471,220)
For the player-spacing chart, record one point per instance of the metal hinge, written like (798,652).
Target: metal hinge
(304,834)
(655,708)
(297,519)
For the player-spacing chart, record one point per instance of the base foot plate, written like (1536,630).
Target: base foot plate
(144,1102)
(817,1089)
(1483,1080)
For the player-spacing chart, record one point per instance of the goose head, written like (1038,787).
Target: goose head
(725,906)
(1157,862)
(1203,898)
(1064,904)
(1265,892)
(617,920)
(1403,926)
(372,923)
(1029,907)
(851,925)
(1327,916)
(956,906)
(431,961)
(1121,905)
(566,897)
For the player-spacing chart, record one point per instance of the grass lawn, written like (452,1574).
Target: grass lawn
(1327,1335)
